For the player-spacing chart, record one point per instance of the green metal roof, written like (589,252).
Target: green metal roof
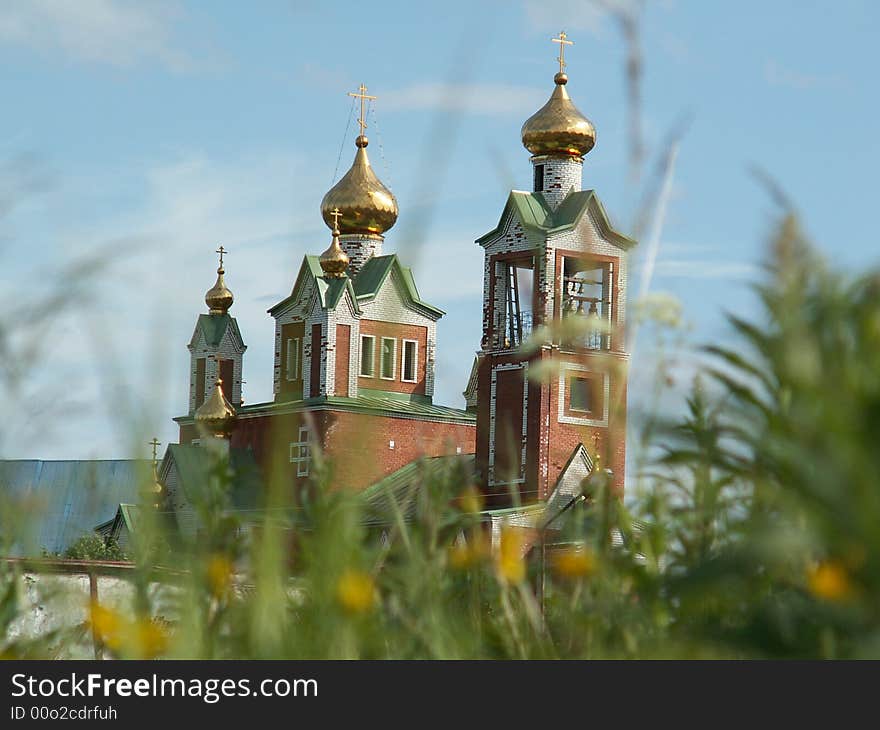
(197,467)
(375,271)
(214,326)
(406,486)
(330,290)
(362,287)
(536,216)
(375,403)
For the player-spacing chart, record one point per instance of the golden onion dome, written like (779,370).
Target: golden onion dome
(216,415)
(365,204)
(218,298)
(334,261)
(558,128)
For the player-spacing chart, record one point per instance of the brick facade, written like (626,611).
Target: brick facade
(399,333)
(362,447)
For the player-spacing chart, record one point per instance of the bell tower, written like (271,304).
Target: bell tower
(551,373)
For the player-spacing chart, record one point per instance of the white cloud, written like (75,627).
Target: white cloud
(123,362)
(116,32)
(484,99)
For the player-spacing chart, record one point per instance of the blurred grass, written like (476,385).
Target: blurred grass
(752,533)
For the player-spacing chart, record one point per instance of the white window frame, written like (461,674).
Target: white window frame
(415,368)
(294,344)
(301,452)
(372,373)
(393,357)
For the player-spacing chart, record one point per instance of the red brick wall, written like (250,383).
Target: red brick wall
(611,444)
(548,441)
(399,332)
(356,443)
(343,352)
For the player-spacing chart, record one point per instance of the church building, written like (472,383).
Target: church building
(355,344)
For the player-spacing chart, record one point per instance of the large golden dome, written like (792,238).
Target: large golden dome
(558,128)
(366,205)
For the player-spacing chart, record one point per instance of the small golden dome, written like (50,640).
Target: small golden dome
(218,298)
(558,128)
(334,260)
(216,415)
(365,204)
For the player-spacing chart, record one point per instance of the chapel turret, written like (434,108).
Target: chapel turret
(216,348)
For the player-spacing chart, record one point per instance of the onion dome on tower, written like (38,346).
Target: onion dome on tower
(558,129)
(365,205)
(216,415)
(218,298)
(334,260)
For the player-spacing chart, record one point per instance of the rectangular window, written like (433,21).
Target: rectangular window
(294,358)
(580,394)
(368,356)
(200,382)
(539,178)
(300,453)
(389,351)
(409,368)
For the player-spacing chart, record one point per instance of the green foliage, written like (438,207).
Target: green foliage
(95,547)
(752,534)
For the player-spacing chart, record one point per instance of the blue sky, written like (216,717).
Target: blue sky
(143,135)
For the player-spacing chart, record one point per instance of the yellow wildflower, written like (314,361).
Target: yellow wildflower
(356,591)
(829,581)
(511,563)
(143,638)
(574,563)
(470,500)
(150,639)
(219,575)
(467,553)
(109,626)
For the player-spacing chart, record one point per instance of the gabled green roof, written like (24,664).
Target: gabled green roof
(405,487)
(214,326)
(536,216)
(197,467)
(374,273)
(330,290)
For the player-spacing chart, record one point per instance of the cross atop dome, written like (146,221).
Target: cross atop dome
(563,41)
(361,94)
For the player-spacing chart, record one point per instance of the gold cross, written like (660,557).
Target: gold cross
(335,215)
(561,40)
(155,444)
(362,95)
(221,251)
